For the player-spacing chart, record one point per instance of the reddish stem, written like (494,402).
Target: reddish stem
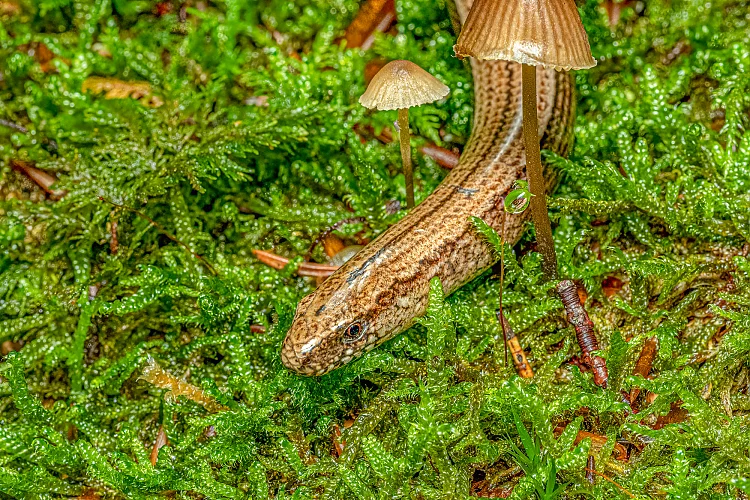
(539,214)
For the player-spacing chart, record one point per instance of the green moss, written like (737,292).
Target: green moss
(655,196)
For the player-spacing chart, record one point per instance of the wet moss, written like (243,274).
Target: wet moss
(206,130)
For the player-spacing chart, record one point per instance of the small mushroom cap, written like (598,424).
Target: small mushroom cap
(402,84)
(545,33)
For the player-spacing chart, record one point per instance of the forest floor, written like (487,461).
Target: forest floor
(149,147)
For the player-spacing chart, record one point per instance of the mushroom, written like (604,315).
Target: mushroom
(401,85)
(546,33)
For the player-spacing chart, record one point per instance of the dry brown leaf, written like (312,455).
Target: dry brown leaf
(120,89)
(374,16)
(161,441)
(162,379)
(9,8)
(42,55)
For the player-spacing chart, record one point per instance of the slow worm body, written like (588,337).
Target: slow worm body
(384,288)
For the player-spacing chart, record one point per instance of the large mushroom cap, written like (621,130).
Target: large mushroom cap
(537,32)
(402,84)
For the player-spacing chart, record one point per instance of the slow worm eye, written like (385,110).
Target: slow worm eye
(354,332)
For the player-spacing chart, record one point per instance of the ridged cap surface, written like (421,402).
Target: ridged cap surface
(402,84)
(537,32)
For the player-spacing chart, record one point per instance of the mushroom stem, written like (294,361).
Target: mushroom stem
(534,172)
(403,135)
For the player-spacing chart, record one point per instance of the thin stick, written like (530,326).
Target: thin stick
(311,269)
(163,231)
(403,126)
(523,368)
(503,323)
(534,172)
(114,246)
(160,442)
(444,157)
(590,468)
(611,481)
(13,125)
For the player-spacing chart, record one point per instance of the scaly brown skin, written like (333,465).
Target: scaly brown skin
(384,288)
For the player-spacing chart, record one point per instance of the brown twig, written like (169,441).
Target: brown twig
(676,415)
(614,9)
(593,471)
(163,231)
(338,443)
(579,318)
(643,365)
(444,157)
(374,16)
(310,269)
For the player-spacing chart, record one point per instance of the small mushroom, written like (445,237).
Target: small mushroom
(401,85)
(546,33)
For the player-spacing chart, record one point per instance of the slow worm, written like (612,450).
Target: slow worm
(384,288)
